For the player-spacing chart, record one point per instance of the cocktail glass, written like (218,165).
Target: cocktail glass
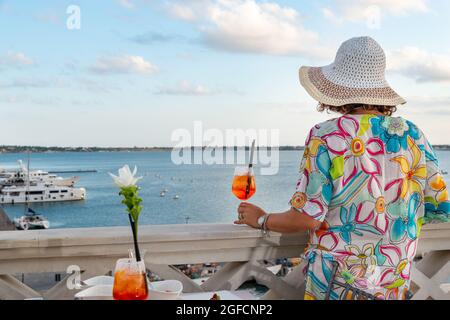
(244,186)
(130,280)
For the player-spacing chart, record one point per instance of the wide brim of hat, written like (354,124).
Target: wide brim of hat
(329,93)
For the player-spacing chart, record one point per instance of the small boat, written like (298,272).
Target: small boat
(176,197)
(31,220)
(162,194)
(165,190)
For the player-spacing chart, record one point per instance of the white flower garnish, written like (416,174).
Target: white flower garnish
(126,178)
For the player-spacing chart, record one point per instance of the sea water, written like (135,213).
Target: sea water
(204,191)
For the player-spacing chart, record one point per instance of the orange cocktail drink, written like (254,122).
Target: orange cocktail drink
(244,186)
(130,281)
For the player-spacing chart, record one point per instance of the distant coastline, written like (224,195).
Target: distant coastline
(42,149)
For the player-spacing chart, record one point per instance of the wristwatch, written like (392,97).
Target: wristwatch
(262,220)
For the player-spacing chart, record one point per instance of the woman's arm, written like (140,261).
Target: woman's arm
(290,221)
(315,159)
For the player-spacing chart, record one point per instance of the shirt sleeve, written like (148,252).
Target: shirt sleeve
(437,205)
(314,187)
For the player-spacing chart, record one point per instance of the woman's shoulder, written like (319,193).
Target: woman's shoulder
(401,126)
(325,127)
(377,125)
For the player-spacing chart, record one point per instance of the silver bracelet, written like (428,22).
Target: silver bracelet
(264,229)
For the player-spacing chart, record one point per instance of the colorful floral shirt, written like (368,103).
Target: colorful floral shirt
(372,181)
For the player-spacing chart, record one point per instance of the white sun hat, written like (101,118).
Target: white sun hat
(357,76)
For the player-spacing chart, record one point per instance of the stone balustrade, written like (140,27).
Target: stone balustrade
(95,250)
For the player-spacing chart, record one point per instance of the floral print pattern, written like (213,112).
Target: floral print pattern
(372,181)
(394,132)
(350,224)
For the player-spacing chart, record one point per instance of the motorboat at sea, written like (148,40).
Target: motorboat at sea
(31,220)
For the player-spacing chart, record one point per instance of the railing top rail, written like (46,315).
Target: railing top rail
(53,250)
(112,235)
(160,233)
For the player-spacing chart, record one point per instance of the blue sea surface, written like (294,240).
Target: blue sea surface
(204,191)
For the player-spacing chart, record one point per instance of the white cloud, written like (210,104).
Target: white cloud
(430,101)
(35,83)
(420,64)
(251,26)
(330,15)
(16,59)
(155,37)
(22,99)
(182,12)
(187,89)
(426,105)
(123,64)
(26,83)
(363,10)
(96,86)
(126,3)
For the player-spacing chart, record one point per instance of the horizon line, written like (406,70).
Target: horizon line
(23,148)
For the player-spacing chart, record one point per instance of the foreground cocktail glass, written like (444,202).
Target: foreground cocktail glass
(130,281)
(244,186)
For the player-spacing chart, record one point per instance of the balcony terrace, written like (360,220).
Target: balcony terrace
(242,249)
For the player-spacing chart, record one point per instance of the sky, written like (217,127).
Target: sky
(130,72)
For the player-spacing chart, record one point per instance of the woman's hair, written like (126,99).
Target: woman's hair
(348,108)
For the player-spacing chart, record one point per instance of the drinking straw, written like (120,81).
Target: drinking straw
(130,254)
(250,166)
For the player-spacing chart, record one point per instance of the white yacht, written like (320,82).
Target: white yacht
(27,186)
(40,192)
(21,175)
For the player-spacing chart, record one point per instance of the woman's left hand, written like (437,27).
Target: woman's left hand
(249,214)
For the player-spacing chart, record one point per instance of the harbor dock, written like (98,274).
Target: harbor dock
(73,171)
